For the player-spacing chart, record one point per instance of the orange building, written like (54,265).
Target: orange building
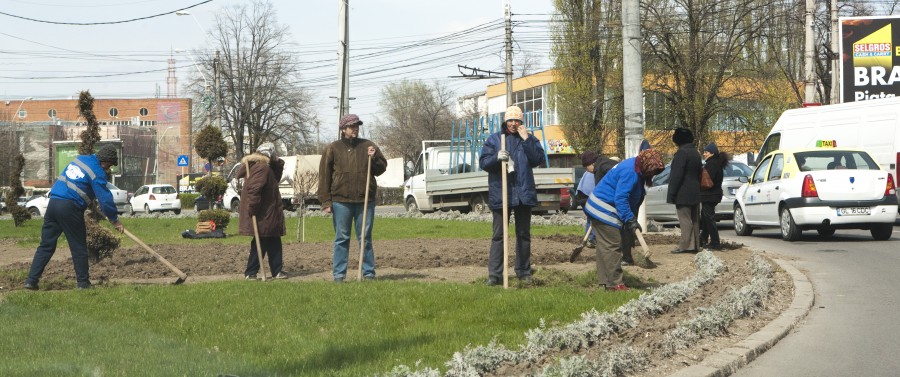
(154,132)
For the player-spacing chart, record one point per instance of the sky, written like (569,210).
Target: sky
(44,56)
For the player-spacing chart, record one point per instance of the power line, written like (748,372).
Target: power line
(103,23)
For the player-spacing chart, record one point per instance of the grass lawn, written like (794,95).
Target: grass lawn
(280,328)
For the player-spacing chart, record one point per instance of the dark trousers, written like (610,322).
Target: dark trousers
(523,243)
(62,216)
(270,246)
(709,234)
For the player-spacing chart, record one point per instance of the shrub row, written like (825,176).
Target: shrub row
(591,328)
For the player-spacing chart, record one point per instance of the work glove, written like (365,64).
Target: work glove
(632,225)
(503,155)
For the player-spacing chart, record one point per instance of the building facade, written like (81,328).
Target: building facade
(153,132)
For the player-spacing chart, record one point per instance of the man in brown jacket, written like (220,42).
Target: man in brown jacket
(342,190)
(260,197)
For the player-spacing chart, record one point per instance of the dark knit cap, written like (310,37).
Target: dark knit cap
(588,158)
(682,136)
(645,145)
(712,148)
(108,154)
(349,120)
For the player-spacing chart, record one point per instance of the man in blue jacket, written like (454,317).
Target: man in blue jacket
(523,153)
(83,181)
(610,210)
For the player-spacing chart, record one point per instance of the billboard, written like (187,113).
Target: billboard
(66,151)
(870,58)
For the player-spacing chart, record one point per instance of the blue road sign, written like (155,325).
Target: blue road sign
(183,160)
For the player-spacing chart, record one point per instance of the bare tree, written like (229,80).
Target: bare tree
(415,111)
(587,54)
(259,87)
(698,55)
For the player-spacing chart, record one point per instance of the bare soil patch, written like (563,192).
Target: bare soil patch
(452,260)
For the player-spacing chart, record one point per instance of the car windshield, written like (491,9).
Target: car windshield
(736,169)
(834,160)
(164,190)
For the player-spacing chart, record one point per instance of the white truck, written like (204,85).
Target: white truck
(300,175)
(872,125)
(443,179)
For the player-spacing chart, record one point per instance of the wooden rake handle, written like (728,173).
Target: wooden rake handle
(181,275)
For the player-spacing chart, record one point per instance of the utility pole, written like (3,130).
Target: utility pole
(809,89)
(344,58)
(632,77)
(509,72)
(218,89)
(835,56)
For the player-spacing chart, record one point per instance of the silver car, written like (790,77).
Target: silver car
(658,210)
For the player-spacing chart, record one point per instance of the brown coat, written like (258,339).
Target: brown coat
(342,171)
(260,196)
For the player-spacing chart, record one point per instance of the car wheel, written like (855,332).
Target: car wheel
(235,205)
(146,208)
(882,232)
(129,209)
(741,227)
(177,211)
(478,204)
(411,205)
(789,229)
(34,212)
(825,231)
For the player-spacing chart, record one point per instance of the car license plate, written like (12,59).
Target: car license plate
(165,204)
(854,211)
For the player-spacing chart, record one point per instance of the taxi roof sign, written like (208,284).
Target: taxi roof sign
(826,143)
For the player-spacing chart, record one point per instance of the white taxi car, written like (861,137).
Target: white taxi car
(817,188)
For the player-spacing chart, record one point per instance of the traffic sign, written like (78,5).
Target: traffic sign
(183,160)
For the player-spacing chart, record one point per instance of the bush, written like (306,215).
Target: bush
(219,216)
(187,200)
(211,187)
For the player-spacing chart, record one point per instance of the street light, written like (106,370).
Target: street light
(20,106)
(156,163)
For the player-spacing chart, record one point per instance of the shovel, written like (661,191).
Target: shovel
(181,275)
(642,259)
(577,251)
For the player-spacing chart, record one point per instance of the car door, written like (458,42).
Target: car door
(771,189)
(139,199)
(753,196)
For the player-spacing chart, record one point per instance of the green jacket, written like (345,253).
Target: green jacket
(342,171)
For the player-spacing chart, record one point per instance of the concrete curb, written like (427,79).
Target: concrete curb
(729,360)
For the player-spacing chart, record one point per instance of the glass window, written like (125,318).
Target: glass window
(22,113)
(737,169)
(771,144)
(51,113)
(760,174)
(835,159)
(777,167)
(113,112)
(143,111)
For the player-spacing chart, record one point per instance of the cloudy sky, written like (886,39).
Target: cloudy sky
(44,53)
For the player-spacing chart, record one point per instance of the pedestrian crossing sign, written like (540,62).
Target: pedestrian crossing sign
(183,160)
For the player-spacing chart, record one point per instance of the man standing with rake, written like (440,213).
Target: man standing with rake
(344,172)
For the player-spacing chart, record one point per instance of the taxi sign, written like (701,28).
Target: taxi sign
(826,143)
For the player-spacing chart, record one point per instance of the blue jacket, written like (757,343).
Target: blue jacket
(526,155)
(83,181)
(620,190)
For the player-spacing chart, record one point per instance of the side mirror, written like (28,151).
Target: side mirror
(409,168)
(743,179)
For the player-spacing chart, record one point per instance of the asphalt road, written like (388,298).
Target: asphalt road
(853,328)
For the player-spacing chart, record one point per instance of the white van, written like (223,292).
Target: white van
(872,125)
